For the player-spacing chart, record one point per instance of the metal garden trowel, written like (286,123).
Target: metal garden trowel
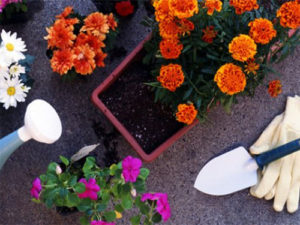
(42,124)
(237,169)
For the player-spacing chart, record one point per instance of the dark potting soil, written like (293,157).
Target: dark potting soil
(132,102)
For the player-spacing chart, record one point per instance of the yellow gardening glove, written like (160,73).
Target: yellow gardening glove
(282,177)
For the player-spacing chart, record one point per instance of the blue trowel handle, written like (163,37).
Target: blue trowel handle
(277,153)
(8,145)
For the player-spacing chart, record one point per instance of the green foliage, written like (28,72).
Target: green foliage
(13,10)
(200,60)
(115,195)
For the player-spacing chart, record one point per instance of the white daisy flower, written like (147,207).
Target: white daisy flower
(16,69)
(12,47)
(4,72)
(12,92)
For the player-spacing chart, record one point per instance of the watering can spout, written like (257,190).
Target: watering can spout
(41,123)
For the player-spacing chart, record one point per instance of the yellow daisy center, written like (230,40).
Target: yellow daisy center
(10,47)
(11,91)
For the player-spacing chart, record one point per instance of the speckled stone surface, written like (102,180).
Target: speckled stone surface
(174,172)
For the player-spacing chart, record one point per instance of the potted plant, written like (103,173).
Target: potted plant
(101,194)
(198,58)
(15,83)
(77,44)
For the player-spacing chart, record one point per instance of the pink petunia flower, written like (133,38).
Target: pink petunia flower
(36,188)
(91,189)
(101,223)
(163,207)
(131,168)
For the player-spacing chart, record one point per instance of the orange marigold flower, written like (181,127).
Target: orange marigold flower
(84,62)
(185,26)
(275,88)
(209,34)
(162,10)
(99,58)
(230,79)
(251,67)
(170,48)
(183,8)
(112,23)
(213,5)
(242,6)
(60,35)
(186,113)
(94,42)
(289,14)
(262,31)
(62,61)
(171,76)
(169,29)
(242,48)
(96,24)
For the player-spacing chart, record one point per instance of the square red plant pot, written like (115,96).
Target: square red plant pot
(134,55)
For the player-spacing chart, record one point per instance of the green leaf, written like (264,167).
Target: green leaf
(79,187)
(52,168)
(127,202)
(64,160)
(112,169)
(73,181)
(144,173)
(72,200)
(156,218)
(85,205)
(101,207)
(135,220)
(119,208)
(109,216)
(105,196)
(125,189)
(227,106)
(63,192)
(84,220)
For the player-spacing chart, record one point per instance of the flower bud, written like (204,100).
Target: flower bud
(133,192)
(58,170)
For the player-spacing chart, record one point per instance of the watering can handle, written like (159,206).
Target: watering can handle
(8,145)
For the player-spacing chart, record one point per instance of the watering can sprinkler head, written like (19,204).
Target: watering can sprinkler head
(41,123)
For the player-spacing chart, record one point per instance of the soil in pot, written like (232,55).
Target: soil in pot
(132,103)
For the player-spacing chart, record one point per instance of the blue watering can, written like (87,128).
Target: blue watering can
(41,123)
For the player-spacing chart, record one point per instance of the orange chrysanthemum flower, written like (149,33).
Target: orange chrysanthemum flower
(275,88)
(169,29)
(171,76)
(60,35)
(186,113)
(209,34)
(230,79)
(63,16)
(242,48)
(251,67)
(67,11)
(96,24)
(185,26)
(183,8)
(99,58)
(94,42)
(84,62)
(213,5)
(112,23)
(242,6)
(262,31)
(170,48)
(289,14)
(162,10)
(62,61)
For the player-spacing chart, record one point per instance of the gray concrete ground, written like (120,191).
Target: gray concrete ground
(174,172)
